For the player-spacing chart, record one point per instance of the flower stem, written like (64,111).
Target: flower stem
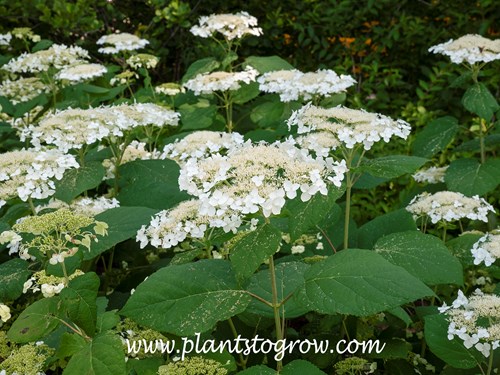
(243,361)
(32,206)
(276,308)
(490,363)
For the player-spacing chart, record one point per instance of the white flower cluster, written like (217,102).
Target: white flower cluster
(48,285)
(143,60)
(81,72)
(126,77)
(207,83)
(231,26)
(31,173)
(349,126)
(475,320)
(73,128)
(25,33)
(58,56)
(23,89)
(471,48)
(5,39)
(169,228)
(487,249)
(432,175)
(202,144)
(449,206)
(120,42)
(169,89)
(12,239)
(82,206)
(256,178)
(293,84)
(4,313)
(134,151)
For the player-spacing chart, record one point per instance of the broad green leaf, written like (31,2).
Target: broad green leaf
(424,256)
(6,106)
(478,100)
(392,166)
(469,177)
(92,89)
(71,343)
(205,65)
(150,183)
(491,141)
(435,137)
(289,276)
(394,348)
(13,274)
(76,181)
(453,352)
(267,113)
(187,298)
(461,247)
(107,321)
(36,321)
(307,215)
(258,370)
(393,222)
(246,92)
(250,251)
(197,116)
(146,366)
(103,355)
(123,223)
(299,366)
(42,44)
(266,64)
(400,313)
(79,301)
(358,282)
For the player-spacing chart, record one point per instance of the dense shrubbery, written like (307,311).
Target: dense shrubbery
(167,186)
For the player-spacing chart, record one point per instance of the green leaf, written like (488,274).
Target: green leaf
(393,222)
(491,141)
(392,166)
(266,64)
(103,355)
(197,116)
(146,366)
(92,89)
(205,65)
(358,282)
(123,223)
(258,370)
(187,298)
(36,321)
(267,113)
(469,177)
(41,45)
(70,344)
(246,92)
(250,251)
(76,181)
(13,274)
(150,183)
(400,313)
(107,321)
(394,348)
(435,137)
(424,256)
(299,366)
(79,301)
(7,106)
(461,247)
(478,100)
(453,352)
(289,276)
(307,215)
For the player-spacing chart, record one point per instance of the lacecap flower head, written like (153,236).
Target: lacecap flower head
(208,83)
(471,48)
(231,26)
(118,42)
(487,249)
(81,72)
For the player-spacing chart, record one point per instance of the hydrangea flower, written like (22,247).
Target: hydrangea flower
(49,285)
(81,72)
(487,249)
(5,39)
(23,89)
(4,313)
(471,48)
(82,206)
(118,42)
(475,320)
(31,173)
(169,89)
(207,83)
(432,175)
(58,56)
(231,26)
(449,206)
(349,126)
(294,85)
(143,60)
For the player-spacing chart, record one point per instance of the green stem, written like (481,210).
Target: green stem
(65,272)
(32,206)
(228,106)
(490,363)
(243,361)
(276,308)
(481,143)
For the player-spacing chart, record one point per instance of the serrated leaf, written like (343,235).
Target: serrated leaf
(197,116)
(188,298)
(392,166)
(358,282)
(201,66)
(478,100)
(469,177)
(103,355)
(79,301)
(13,274)
(107,321)
(435,137)
(266,64)
(249,252)
(76,181)
(289,276)
(453,352)
(70,344)
(123,223)
(150,183)
(424,256)
(306,215)
(299,366)
(267,113)
(36,321)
